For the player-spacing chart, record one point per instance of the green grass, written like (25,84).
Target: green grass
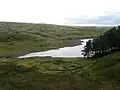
(53,73)
(60,73)
(104,70)
(40,74)
(19,38)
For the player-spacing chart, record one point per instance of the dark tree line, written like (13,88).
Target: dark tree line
(107,43)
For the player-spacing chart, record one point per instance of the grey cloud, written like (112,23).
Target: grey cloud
(112,19)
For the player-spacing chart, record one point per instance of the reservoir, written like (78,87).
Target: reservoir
(66,52)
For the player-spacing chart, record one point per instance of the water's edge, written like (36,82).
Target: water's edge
(66,52)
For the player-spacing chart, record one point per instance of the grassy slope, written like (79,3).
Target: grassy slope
(40,74)
(104,71)
(49,73)
(61,74)
(107,65)
(18,38)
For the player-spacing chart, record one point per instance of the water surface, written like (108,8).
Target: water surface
(66,52)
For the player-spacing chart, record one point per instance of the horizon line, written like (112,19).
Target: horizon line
(85,25)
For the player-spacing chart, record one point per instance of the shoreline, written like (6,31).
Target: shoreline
(14,55)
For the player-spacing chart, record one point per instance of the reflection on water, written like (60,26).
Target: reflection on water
(66,52)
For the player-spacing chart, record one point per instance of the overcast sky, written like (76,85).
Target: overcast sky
(70,12)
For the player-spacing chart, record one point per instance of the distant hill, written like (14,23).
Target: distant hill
(26,37)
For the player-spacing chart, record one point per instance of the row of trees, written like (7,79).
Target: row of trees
(107,43)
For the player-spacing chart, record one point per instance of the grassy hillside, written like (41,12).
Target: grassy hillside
(17,38)
(53,73)
(106,68)
(61,74)
(40,74)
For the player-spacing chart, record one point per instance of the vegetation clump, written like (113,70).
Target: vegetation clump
(103,45)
